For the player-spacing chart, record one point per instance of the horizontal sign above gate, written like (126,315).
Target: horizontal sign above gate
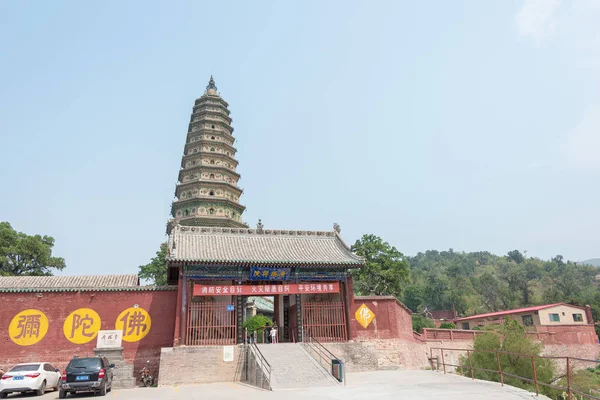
(269,274)
(265,290)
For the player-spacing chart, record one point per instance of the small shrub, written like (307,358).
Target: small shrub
(447,325)
(419,322)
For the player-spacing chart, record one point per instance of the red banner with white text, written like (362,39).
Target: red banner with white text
(265,290)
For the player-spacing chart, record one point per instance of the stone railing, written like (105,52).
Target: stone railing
(448,334)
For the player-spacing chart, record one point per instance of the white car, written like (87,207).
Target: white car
(30,377)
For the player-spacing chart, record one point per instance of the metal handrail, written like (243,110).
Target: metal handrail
(264,365)
(570,390)
(261,362)
(324,353)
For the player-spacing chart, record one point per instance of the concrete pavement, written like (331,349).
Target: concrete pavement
(378,385)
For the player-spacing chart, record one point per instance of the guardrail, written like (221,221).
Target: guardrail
(256,370)
(568,371)
(320,353)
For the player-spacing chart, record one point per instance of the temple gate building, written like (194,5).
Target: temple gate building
(217,262)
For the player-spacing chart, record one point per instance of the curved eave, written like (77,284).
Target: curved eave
(223,124)
(282,263)
(206,199)
(209,166)
(209,142)
(201,113)
(89,289)
(206,95)
(188,157)
(184,186)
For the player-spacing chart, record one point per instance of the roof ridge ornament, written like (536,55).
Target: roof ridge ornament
(336,227)
(211,84)
(259,226)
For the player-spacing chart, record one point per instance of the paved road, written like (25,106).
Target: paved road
(380,385)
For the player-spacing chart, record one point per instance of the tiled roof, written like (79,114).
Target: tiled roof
(257,246)
(516,311)
(58,283)
(262,303)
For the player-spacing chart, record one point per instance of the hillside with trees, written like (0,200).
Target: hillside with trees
(475,282)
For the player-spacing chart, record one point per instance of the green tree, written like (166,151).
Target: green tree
(419,322)
(22,254)
(509,337)
(156,269)
(386,270)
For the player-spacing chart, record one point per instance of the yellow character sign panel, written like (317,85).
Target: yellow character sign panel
(82,326)
(28,327)
(364,316)
(134,323)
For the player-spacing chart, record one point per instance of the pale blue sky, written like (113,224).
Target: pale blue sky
(468,125)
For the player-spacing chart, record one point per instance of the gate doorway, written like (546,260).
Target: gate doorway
(210,323)
(325,321)
(279,308)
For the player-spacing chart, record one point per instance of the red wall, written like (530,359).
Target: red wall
(565,334)
(392,319)
(56,349)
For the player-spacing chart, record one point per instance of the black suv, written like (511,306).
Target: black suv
(89,374)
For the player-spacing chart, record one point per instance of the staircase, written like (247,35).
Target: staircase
(292,367)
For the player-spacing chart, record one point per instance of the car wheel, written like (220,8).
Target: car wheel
(102,391)
(42,389)
(62,394)
(3,395)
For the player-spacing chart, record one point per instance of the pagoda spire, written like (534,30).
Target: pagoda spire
(211,84)
(207,191)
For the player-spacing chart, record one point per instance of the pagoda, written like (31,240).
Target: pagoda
(207,192)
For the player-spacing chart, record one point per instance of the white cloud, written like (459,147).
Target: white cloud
(537,19)
(583,144)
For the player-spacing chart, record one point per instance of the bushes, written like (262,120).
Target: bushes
(509,337)
(256,322)
(447,325)
(419,322)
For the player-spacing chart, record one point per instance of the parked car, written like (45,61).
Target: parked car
(89,374)
(29,377)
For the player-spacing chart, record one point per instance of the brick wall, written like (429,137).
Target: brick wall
(392,319)
(56,349)
(202,364)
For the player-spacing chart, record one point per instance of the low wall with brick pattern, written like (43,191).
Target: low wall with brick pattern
(201,364)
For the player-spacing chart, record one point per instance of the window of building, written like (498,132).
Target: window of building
(212,149)
(212,176)
(465,325)
(212,193)
(212,126)
(187,213)
(212,137)
(554,317)
(212,161)
(211,211)
(577,317)
(527,320)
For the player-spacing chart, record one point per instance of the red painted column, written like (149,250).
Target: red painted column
(177,332)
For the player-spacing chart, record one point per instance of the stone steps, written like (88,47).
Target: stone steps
(292,367)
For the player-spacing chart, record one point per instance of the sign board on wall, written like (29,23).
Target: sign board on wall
(257,290)
(228,353)
(270,274)
(109,339)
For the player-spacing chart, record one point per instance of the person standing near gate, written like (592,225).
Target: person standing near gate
(274,332)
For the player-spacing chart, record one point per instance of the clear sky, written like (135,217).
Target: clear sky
(472,125)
